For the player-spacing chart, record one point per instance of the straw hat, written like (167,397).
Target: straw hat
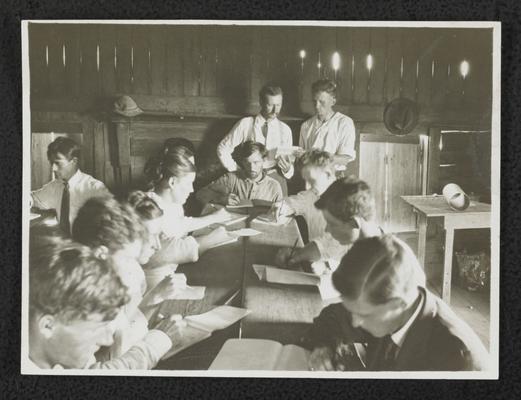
(401,116)
(126,106)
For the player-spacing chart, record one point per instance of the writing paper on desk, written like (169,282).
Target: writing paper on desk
(200,327)
(284,276)
(33,216)
(224,242)
(189,293)
(244,203)
(260,354)
(244,232)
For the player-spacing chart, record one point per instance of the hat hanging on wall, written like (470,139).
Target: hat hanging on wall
(125,105)
(401,116)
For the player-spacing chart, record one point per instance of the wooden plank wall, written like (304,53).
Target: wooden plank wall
(220,69)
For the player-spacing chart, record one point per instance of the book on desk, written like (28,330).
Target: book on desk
(260,354)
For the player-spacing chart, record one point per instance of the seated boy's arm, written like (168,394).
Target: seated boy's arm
(215,192)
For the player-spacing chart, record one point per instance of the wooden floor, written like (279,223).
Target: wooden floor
(473,307)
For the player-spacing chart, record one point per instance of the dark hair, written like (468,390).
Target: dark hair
(144,205)
(382,268)
(179,145)
(269,90)
(316,158)
(347,198)
(324,85)
(63,145)
(246,149)
(102,221)
(67,280)
(159,170)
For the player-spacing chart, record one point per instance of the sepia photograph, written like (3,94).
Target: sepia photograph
(302,199)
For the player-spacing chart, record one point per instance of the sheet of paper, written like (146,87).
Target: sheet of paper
(218,318)
(292,358)
(188,336)
(244,203)
(189,293)
(244,232)
(33,216)
(228,241)
(247,354)
(284,276)
(267,220)
(326,288)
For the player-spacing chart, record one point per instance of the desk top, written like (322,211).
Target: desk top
(436,206)
(278,312)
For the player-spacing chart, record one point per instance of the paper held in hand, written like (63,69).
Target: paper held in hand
(196,328)
(260,354)
(287,277)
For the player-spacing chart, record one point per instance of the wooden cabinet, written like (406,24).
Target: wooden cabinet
(392,166)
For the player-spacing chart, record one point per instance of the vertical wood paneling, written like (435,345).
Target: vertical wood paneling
(428,41)
(123,59)
(57,83)
(345,81)
(174,60)
(311,45)
(258,63)
(394,58)
(410,57)
(71,40)
(192,60)
(158,61)
(90,77)
(208,61)
(440,79)
(141,63)
(328,45)
(108,49)
(456,54)
(39,35)
(361,74)
(376,80)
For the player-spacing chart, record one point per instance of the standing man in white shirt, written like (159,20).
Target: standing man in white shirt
(263,128)
(70,188)
(328,130)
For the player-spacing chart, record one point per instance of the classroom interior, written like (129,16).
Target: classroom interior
(197,81)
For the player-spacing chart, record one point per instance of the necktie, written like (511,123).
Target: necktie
(64,209)
(265,130)
(388,351)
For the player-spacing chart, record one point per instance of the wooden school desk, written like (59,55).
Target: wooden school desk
(477,215)
(278,312)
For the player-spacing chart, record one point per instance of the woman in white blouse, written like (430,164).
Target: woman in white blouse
(171,177)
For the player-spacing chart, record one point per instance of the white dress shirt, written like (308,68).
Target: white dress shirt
(81,188)
(336,135)
(250,128)
(398,337)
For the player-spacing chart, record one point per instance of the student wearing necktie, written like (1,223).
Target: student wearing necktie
(390,318)
(70,188)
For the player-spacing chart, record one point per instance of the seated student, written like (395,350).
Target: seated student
(387,309)
(249,182)
(116,231)
(348,208)
(70,188)
(74,298)
(171,178)
(318,171)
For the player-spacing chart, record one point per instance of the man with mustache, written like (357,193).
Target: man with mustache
(263,128)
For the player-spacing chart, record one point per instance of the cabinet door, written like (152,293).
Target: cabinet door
(404,179)
(373,170)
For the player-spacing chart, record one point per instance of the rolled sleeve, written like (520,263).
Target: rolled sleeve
(347,137)
(226,146)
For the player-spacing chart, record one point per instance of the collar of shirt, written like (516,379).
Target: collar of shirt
(260,120)
(249,180)
(75,179)
(398,337)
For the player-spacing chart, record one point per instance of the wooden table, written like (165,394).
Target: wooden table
(477,215)
(278,312)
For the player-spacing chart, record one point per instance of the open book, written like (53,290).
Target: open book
(288,277)
(260,354)
(195,328)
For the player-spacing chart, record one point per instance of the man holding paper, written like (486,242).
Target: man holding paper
(263,128)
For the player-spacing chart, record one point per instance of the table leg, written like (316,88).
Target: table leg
(422,238)
(447,265)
